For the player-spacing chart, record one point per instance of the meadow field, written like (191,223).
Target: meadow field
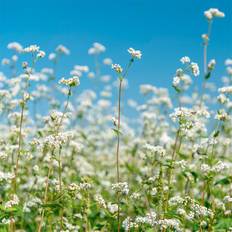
(92,160)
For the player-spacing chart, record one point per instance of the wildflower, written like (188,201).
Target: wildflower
(221,115)
(41,54)
(91,75)
(96,49)
(211,65)
(5,61)
(15,46)
(71,82)
(117,68)
(14,201)
(62,50)
(121,187)
(155,149)
(227,89)
(31,49)
(195,69)
(107,61)
(185,60)
(135,53)
(213,12)
(113,208)
(52,56)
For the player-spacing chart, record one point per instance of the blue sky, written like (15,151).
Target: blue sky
(164,31)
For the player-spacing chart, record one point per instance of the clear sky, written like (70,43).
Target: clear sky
(164,30)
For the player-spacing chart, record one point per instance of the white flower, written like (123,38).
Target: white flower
(96,49)
(15,46)
(91,75)
(227,89)
(213,12)
(73,81)
(135,53)
(81,68)
(31,49)
(41,54)
(107,61)
(52,56)
(185,60)
(195,69)
(211,64)
(176,81)
(117,68)
(62,49)
(121,187)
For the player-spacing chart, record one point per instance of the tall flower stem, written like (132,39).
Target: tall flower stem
(121,78)
(19,148)
(205,59)
(176,148)
(50,165)
(118,147)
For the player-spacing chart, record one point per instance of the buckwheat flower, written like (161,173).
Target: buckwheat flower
(221,166)
(107,61)
(227,89)
(135,53)
(117,68)
(176,81)
(5,176)
(155,149)
(100,201)
(99,47)
(213,12)
(185,60)
(222,99)
(7,221)
(15,46)
(31,49)
(128,224)
(91,75)
(81,68)
(113,208)
(26,96)
(41,54)
(121,187)
(205,168)
(205,38)
(5,61)
(85,186)
(135,196)
(3,156)
(14,201)
(228,62)
(96,49)
(211,64)
(195,69)
(62,49)
(52,56)
(71,82)
(221,115)
(154,192)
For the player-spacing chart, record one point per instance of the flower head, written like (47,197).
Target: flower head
(213,13)
(135,53)
(117,68)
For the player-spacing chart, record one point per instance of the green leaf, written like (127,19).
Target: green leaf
(207,76)
(223,181)
(216,133)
